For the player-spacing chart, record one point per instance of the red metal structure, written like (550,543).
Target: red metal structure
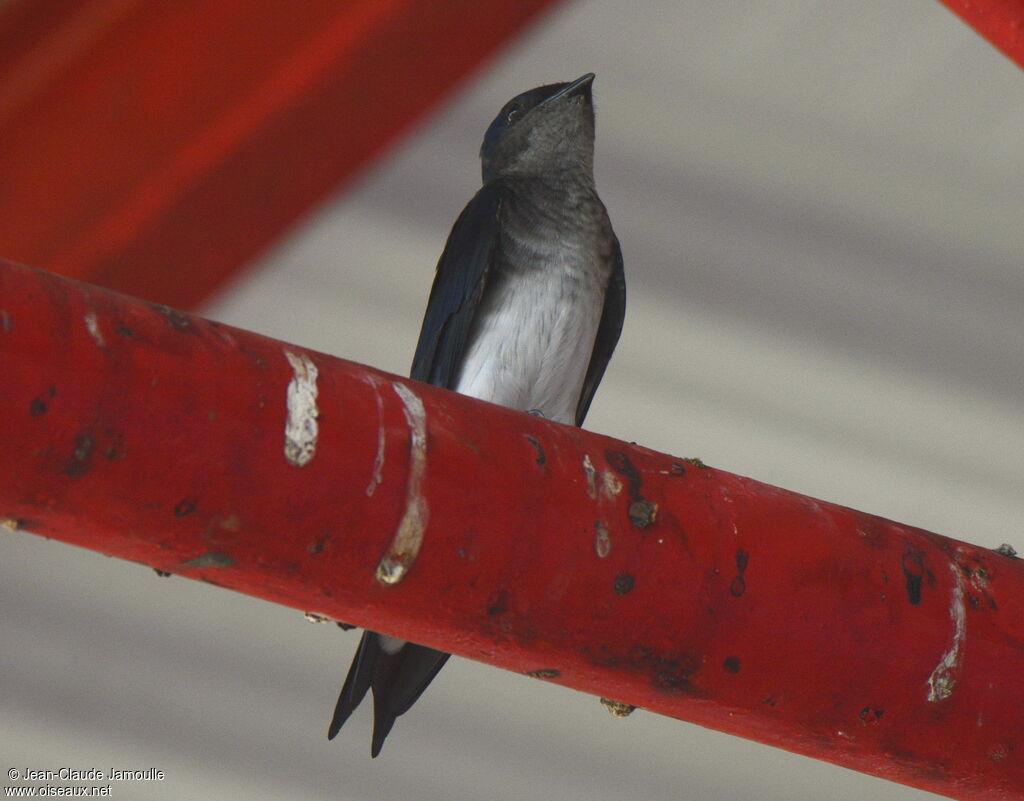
(155,148)
(222,455)
(999,21)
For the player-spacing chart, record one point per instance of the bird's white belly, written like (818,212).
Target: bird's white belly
(533,346)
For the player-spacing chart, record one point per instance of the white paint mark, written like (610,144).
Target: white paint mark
(588,468)
(301,429)
(943,679)
(94,328)
(610,484)
(405,545)
(378,461)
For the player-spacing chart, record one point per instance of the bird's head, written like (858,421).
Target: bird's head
(550,128)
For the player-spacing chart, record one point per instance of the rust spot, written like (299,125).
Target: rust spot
(544,673)
(673,675)
(124,331)
(37,407)
(498,604)
(677,470)
(642,513)
(318,545)
(115,448)
(602,541)
(344,626)
(623,466)
(185,507)
(739,584)
(541,456)
(693,461)
(178,320)
(731,664)
(161,573)
(668,672)
(913,572)
(624,583)
(997,753)
(79,463)
(870,714)
(210,559)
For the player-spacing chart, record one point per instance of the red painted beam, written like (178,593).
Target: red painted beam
(156,147)
(999,21)
(324,485)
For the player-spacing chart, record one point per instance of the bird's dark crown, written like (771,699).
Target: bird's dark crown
(540,126)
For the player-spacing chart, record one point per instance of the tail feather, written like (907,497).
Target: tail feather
(397,684)
(397,680)
(357,682)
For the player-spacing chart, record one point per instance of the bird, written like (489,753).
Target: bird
(526,308)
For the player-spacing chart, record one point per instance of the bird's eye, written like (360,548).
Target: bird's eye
(513,114)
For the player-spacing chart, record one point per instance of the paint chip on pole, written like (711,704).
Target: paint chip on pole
(300,428)
(944,677)
(409,536)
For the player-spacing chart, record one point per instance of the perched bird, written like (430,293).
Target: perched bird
(525,311)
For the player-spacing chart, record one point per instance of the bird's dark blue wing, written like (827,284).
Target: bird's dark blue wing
(458,285)
(608,331)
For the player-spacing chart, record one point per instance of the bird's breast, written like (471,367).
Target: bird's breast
(534,333)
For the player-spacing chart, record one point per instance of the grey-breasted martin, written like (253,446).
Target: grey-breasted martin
(525,311)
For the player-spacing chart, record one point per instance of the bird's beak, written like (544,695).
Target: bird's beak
(580,86)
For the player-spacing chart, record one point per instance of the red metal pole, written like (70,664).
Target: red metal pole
(304,479)
(155,148)
(999,21)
